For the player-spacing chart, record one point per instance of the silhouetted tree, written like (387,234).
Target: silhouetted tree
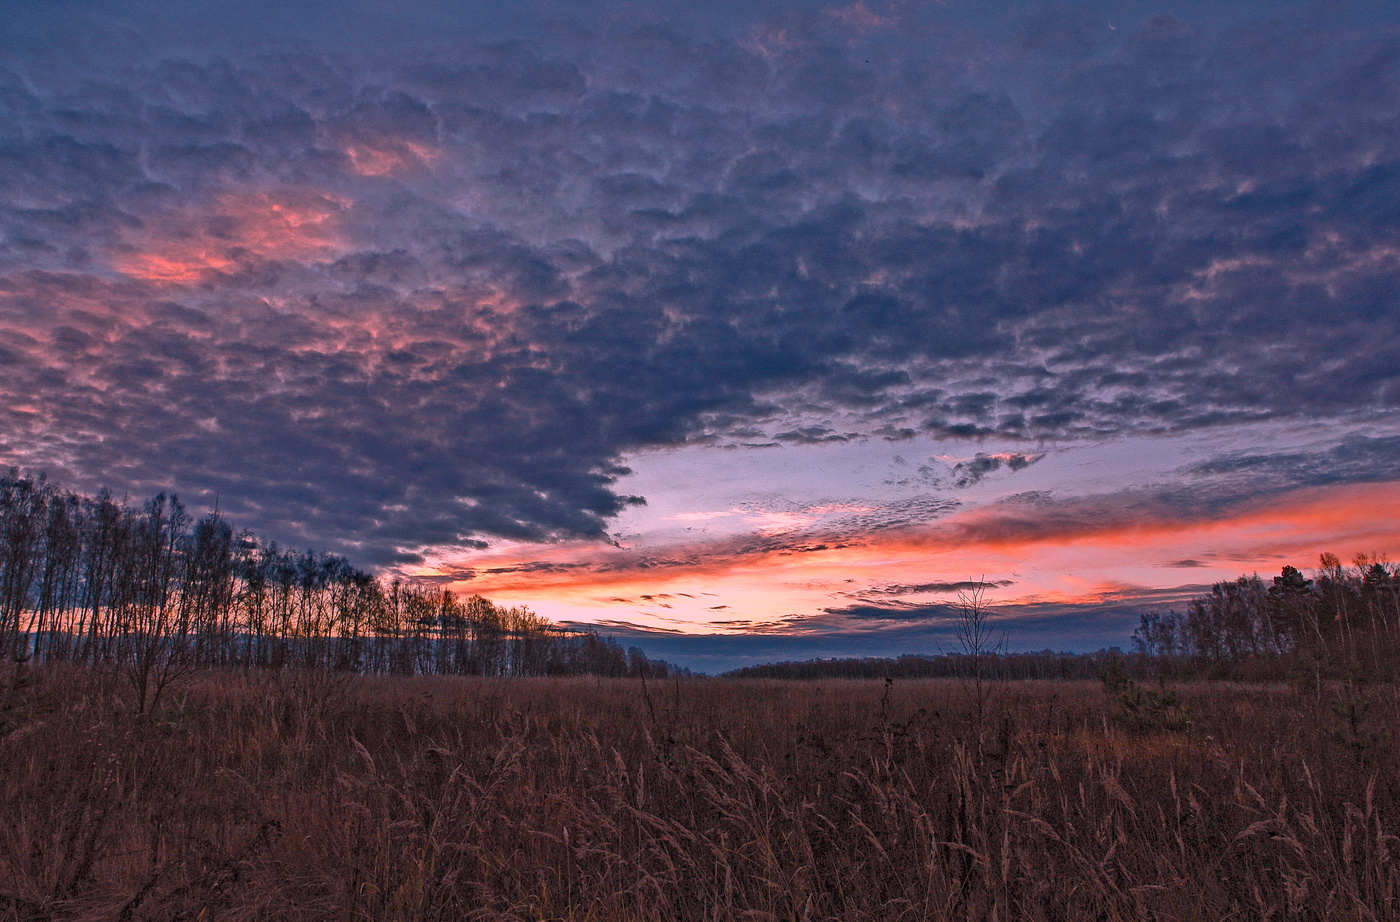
(156,595)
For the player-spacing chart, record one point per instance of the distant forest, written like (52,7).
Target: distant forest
(156,593)
(1342,623)
(1043,665)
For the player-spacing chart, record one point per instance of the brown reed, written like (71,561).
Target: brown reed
(302,796)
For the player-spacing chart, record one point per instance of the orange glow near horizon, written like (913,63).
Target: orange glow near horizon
(720,588)
(237,228)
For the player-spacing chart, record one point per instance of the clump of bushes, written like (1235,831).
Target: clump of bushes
(1144,708)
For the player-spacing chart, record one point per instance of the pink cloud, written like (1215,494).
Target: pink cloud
(233,230)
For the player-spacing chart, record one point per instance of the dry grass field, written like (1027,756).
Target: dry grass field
(307,796)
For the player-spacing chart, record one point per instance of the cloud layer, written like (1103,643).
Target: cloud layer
(431,293)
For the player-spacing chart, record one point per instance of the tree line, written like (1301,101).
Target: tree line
(1045,664)
(156,592)
(1341,622)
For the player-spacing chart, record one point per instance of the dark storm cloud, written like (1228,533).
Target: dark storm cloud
(966,473)
(1357,459)
(811,435)
(926,588)
(389,278)
(944,613)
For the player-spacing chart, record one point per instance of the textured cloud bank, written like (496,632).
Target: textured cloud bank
(420,292)
(1040,559)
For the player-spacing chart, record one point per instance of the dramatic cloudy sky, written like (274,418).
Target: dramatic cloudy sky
(748,330)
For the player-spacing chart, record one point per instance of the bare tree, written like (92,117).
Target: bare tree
(979,641)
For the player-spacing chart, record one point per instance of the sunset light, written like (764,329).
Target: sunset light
(386,157)
(236,231)
(724,461)
(729,333)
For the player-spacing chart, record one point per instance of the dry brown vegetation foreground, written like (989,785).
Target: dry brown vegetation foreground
(304,796)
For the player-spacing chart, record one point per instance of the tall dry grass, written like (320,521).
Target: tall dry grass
(300,796)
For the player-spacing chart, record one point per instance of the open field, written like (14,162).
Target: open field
(311,796)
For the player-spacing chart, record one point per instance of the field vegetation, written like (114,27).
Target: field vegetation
(296,794)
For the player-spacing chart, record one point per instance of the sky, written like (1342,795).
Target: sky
(742,331)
